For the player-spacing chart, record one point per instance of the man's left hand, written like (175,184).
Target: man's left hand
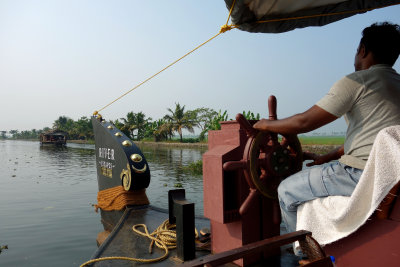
(262,125)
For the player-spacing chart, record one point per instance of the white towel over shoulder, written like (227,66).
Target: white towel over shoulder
(335,217)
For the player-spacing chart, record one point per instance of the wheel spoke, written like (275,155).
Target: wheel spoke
(265,148)
(284,142)
(265,180)
(260,163)
(246,125)
(274,137)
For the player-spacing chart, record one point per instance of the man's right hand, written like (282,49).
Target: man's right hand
(316,159)
(321,159)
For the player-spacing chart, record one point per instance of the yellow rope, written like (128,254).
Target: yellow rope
(163,237)
(223,29)
(227,27)
(117,198)
(230,12)
(191,51)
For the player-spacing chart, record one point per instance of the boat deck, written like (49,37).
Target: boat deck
(124,242)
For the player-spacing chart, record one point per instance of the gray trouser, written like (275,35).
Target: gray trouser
(333,179)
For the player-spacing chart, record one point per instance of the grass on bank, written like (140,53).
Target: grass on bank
(322,140)
(196,168)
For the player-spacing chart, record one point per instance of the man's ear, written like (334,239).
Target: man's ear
(363,51)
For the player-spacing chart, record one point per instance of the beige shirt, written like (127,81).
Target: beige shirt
(370,101)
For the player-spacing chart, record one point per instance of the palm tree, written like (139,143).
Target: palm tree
(60,123)
(14,133)
(179,120)
(64,123)
(135,122)
(129,124)
(45,129)
(83,128)
(158,129)
(120,125)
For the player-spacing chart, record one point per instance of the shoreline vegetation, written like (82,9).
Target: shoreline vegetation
(319,145)
(138,127)
(328,141)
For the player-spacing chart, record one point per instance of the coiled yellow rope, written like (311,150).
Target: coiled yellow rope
(163,237)
(117,198)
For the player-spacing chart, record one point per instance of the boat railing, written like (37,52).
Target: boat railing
(314,251)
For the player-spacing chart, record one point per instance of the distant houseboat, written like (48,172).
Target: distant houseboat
(53,137)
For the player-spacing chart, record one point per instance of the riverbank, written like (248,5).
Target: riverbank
(314,148)
(318,149)
(150,143)
(172,144)
(90,142)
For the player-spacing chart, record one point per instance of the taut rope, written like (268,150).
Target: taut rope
(227,27)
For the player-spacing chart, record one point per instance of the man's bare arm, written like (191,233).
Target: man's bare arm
(321,159)
(312,119)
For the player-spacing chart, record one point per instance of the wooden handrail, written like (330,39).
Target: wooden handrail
(256,247)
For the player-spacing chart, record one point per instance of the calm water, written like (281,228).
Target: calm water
(46,197)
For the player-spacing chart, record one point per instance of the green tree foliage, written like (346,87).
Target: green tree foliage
(214,123)
(204,117)
(160,130)
(82,129)
(195,168)
(26,134)
(179,119)
(45,129)
(120,126)
(63,123)
(250,115)
(13,133)
(135,124)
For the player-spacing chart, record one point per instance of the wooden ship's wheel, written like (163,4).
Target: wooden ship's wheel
(267,158)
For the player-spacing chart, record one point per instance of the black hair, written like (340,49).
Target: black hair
(383,40)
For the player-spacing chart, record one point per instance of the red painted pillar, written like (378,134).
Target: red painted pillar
(225,191)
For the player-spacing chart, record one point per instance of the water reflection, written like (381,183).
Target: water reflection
(45,204)
(62,164)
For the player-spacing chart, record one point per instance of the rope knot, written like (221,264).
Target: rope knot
(225,28)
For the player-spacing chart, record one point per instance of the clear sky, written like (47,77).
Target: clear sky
(73,57)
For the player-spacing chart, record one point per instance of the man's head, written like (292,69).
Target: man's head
(381,42)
